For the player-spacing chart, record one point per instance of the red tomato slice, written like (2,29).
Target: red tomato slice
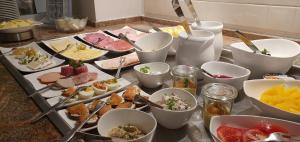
(229,134)
(269,128)
(253,135)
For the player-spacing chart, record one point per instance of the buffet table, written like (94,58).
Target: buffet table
(194,131)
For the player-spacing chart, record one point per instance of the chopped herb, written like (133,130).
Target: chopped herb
(145,70)
(265,52)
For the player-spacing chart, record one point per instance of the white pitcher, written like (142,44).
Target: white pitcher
(195,49)
(216,28)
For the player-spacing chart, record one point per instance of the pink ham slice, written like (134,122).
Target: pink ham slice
(130,59)
(94,38)
(104,42)
(119,45)
(84,77)
(130,33)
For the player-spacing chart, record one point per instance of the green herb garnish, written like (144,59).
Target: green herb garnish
(265,52)
(145,70)
(75,63)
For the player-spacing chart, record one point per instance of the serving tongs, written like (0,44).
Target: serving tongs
(249,43)
(71,133)
(39,116)
(193,11)
(183,21)
(125,38)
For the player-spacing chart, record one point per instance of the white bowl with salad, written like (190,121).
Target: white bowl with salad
(277,56)
(128,125)
(178,107)
(152,75)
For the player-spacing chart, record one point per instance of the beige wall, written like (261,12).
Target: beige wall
(104,10)
(116,9)
(271,17)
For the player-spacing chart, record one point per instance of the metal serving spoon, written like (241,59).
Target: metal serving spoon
(138,99)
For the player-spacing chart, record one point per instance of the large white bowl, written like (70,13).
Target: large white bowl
(254,88)
(117,117)
(156,78)
(248,121)
(155,47)
(239,74)
(283,53)
(173,119)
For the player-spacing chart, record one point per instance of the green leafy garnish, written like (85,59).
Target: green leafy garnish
(75,63)
(265,52)
(145,70)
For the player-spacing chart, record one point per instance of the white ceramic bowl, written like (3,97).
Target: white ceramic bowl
(248,121)
(173,119)
(283,53)
(158,70)
(155,47)
(238,74)
(117,117)
(254,88)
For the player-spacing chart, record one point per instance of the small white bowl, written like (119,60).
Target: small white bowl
(117,117)
(155,47)
(239,74)
(173,119)
(248,121)
(158,70)
(283,53)
(254,88)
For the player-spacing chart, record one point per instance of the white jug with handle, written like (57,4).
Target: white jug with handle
(195,49)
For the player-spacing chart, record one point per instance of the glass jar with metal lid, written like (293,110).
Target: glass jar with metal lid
(185,77)
(218,99)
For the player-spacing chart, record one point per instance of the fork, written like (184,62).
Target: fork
(279,137)
(122,61)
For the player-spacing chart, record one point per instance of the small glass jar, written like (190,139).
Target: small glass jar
(185,77)
(218,99)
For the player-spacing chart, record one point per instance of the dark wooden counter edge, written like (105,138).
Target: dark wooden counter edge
(60,124)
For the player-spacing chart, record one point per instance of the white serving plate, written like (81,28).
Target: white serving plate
(32,78)
(24,68)
(72,122)
(100,63)
(81,36)
(71,38)
(254,88)
(248,121)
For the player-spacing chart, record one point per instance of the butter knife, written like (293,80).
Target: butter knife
(193,11)
(53,108)
(71,133)
(184,22)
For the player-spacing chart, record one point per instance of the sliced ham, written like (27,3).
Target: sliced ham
(84,77)
(132,34)
(94,38)
(119,45)
(50,77)
(104,42)
(130,59)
